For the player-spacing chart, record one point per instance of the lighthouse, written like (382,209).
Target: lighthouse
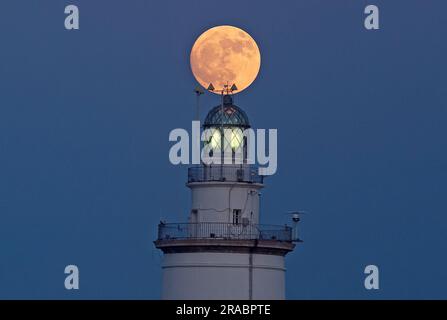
(222,250)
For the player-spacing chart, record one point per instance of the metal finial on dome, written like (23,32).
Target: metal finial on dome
(227,100)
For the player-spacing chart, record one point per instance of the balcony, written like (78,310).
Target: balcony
(231,173)
(223,231)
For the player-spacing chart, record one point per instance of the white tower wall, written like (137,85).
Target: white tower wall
(211,275)
(216,201)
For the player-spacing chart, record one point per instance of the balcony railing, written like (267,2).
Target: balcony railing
(227,231)
(224,173)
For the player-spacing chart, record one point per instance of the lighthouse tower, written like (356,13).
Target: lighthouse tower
(223,251)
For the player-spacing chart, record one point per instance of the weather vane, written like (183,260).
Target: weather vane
(226,90)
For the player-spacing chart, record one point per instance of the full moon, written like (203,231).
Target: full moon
(225,55)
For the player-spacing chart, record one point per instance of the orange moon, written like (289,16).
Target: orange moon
(225,55)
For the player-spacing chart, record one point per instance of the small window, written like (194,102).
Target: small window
(236,216)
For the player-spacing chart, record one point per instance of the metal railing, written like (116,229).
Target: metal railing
(208,230)
(236,173)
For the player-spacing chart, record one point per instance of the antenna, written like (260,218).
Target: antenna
(199,91)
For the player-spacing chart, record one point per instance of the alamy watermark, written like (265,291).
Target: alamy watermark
(371,21)
(372,279)
(225,145)
(72,280)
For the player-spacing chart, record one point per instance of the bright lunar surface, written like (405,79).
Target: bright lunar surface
(225,55)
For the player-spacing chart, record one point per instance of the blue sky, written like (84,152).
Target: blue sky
(85,117)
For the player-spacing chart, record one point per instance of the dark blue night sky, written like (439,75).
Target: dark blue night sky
(85,117)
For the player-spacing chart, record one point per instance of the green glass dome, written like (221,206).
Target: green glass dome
(232,116)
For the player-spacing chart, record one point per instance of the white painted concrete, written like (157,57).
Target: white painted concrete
(215,201)
(210,275)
